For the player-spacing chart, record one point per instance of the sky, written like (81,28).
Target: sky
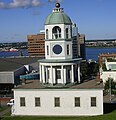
(19,18)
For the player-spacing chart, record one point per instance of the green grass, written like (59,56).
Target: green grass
(3,108)
(110,116)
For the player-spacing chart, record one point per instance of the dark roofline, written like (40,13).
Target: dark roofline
(102,40)
(12,64)
(36,85)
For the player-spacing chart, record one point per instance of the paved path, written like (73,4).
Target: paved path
(107,98)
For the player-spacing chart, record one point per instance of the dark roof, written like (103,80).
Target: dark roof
(90,84)
(35,84)
(11,64)
(60,60)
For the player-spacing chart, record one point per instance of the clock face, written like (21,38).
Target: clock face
(57,49)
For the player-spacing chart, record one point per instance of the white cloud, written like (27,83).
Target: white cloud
(20,4)
(2,5)
(35,2)
(55,0)
(23,3)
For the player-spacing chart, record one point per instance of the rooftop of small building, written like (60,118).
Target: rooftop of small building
(59,60)
(13,63)
(35,84)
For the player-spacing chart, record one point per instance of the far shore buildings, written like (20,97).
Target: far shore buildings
(36,44)
(59,92)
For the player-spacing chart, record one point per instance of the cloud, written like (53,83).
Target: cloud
(2,5)
(20,4)
(54,1)
(23,3)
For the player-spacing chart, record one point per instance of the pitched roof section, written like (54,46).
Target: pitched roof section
(11,64)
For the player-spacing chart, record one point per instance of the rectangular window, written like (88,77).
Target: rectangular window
(67,33)
(67,49)
(57,102)
(37,101)
(93,101)
(47,50)
(58,74)
(46,33)
(22,101)
(77,101)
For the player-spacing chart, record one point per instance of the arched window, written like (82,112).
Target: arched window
(56,32)
(46,33)
(66,32)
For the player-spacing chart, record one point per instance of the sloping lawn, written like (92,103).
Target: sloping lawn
(110,116)
(3,108)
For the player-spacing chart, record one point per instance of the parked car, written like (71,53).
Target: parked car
(11,102)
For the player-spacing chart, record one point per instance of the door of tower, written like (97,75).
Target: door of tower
(58,75)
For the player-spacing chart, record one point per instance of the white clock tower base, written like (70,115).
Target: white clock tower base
(60,71)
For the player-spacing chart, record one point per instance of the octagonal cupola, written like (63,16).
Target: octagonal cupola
(58,17)
(58,25)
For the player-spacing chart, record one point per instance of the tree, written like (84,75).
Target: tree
(93,68)
(104,67)
(84,69)
(89,69)
(110,83)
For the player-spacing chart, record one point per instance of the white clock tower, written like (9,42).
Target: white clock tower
(57,94)
(59,66)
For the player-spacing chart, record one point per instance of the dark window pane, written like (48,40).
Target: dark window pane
(37,101)
(57,102)
(93,101)
(22,101)
(77,101)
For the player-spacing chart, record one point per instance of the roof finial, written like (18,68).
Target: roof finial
(57,5)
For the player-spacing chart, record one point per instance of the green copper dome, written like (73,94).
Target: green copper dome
(57,17)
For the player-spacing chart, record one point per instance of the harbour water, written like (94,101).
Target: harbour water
(91,53)
(13,54)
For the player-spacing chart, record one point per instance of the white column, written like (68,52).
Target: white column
(43,74)
(51,75)
(79,80)
(46,74)
(40,73)
(65,74)
(72,70)
(54,76)
(62,74)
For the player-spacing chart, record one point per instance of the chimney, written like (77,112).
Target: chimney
(98,77)
(23,81)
